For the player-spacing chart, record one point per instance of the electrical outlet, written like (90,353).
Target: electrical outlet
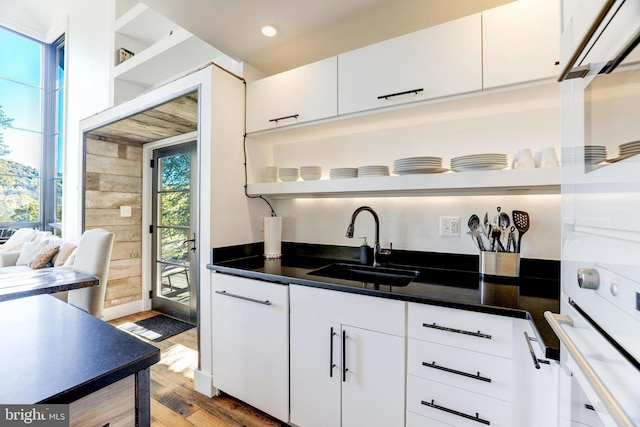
(449,226)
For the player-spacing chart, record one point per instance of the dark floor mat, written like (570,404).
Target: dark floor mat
(157,328)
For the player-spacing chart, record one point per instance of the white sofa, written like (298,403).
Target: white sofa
(19,251)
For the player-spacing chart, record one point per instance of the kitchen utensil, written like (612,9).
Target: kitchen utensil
(521,221)
(512,239)
(474,226)
(485,222)
(504,224)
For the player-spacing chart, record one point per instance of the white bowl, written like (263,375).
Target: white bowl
(310,176)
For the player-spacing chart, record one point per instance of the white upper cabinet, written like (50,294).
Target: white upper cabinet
(435,62)
(296,96)
(520,42)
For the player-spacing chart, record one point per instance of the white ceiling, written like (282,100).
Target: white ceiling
(309,29)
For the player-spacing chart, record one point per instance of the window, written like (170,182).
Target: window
(31,131)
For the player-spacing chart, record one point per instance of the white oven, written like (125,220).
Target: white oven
(599,320)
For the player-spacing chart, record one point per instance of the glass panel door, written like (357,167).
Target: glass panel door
(174,231)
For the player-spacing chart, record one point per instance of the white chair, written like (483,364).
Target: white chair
(93,257)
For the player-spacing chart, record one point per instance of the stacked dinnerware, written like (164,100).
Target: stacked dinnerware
(629,149)
(371,171)
(339,173)
(271,174)
(310,173)
(418,165)
(479,162)
(590,154)
(289,174)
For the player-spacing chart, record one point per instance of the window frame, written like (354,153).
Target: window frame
(49,133)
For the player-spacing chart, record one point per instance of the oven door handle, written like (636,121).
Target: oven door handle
(585,40)
(613,407)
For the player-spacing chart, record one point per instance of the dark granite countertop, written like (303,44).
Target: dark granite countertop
(52,352)
(445,279)
(30,282)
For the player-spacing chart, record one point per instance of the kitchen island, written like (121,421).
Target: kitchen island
(55,353)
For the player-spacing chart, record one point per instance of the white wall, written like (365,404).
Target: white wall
(499,122)
(89,61)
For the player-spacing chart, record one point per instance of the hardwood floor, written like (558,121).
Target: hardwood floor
(174,403)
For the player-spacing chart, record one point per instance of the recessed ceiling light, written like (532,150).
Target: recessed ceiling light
(269,30)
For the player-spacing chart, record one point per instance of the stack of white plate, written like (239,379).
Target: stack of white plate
(339,173)
(370,171)
(271,174)
(289,174)
(590,154)
(629,149)
(479,162)
(417,165)
(310,173)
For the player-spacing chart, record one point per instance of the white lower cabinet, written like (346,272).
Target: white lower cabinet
(537,397)
(347,359)
(251,342)
(460,370)
(455,406)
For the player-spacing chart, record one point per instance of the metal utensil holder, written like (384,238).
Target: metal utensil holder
(500,264)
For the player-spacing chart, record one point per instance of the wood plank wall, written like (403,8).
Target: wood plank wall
(114,179)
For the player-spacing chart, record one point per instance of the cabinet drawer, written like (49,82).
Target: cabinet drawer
(367,312)
(415,420)
(454,406)
(482,332)
(240,288)
(477,372)
(114,405)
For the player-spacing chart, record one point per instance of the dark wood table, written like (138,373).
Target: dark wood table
(43,281)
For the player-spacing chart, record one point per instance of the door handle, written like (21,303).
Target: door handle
(193,246)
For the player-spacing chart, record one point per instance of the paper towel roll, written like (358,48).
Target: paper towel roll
(272,236)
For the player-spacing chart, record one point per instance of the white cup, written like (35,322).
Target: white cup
(524,159)
(549,158)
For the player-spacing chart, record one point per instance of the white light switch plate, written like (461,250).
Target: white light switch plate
(125,211)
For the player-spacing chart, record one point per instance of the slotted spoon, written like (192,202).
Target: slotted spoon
(521,221)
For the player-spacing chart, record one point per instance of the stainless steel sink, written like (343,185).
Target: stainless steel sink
(363,273)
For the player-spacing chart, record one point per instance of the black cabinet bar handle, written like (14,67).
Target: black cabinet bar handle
(536,361)
(454,412)
(331,364)
(457,331)
(406,92)
(344,356)
(454,371)
(293,116)
(225,293)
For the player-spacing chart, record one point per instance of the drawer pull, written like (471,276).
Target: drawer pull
(457,331)
(293,116)
(344,356)
(454,371)
(475,418)
(331,364)
(406,92)
(536,361)
(225,293)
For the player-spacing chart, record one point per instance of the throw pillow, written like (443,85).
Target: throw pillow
(29,250)
(44,255)
(63,254)
(11,247)
(22,235)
